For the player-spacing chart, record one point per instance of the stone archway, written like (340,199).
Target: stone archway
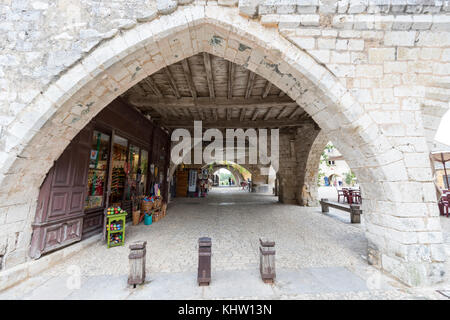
(402,225)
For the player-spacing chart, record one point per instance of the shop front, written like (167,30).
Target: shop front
(119,157)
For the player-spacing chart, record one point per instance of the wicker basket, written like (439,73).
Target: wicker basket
(146,206)
(158,203)
(136,216)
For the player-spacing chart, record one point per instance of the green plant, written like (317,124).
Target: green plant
(324,155)
(349,177)
(320,177)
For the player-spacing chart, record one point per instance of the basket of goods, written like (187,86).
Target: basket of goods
(158,202)
(147,204)
(136,215)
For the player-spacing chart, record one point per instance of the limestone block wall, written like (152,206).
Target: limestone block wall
(374,75)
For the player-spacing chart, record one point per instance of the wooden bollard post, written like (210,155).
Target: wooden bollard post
(324,206)
(355,213)
(137,263)
(204,261)
(267,260)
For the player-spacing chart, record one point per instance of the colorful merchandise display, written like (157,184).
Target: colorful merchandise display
(115,226)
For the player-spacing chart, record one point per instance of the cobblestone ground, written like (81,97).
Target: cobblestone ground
(306,241)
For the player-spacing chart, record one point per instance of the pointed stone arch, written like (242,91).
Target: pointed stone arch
(396,229)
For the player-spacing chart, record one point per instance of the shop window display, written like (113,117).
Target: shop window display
(143,171)
(133,160)
(98,164)
(119,169)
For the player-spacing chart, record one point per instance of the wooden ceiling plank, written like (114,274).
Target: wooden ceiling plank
(189,79)
(172,82)
(209,76)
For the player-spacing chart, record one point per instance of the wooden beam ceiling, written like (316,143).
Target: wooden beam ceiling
(213,90)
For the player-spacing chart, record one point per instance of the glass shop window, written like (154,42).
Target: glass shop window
(120,169)
(98,164)
(143,172)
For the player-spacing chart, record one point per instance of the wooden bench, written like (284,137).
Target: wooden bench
(354,209)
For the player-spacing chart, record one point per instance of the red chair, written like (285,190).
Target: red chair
(357,196)
(348,195)
(446,202)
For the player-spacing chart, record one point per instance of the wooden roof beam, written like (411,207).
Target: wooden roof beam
(281,113)
(236,124)
(209,76)
(266,115)
(242,115)
(267,88)
(206,102)
(250,83)
(231,71)
(255,114)
(152,85)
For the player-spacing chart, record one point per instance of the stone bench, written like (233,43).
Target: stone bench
(354,209)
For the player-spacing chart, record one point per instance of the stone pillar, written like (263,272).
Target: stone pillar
(287,169)
(295,148)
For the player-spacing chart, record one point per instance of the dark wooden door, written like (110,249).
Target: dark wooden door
(60,208)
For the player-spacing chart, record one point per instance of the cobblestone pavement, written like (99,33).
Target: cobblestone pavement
(317,256)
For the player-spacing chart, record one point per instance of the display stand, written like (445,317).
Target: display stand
(116,237)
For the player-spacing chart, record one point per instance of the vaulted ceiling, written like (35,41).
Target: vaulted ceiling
(218,92)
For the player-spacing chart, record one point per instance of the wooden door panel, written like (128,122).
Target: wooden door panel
(81,157)
(60,222)
(72,230)
(63,169)
(58,204)
(76,201)
(61,234)
(52,237)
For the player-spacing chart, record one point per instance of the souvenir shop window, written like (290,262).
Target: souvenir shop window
(98,164)
(133,161)
(143,171)
(119,169)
